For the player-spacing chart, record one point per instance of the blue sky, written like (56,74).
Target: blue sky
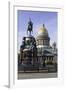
(38,18)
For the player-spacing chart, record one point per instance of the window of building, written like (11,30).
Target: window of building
(40,42)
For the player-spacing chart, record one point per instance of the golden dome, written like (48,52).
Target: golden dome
(43,31)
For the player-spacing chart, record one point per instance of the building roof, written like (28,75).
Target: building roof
(43,31)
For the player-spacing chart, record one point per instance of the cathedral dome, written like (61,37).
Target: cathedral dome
(43,37)
(43,31)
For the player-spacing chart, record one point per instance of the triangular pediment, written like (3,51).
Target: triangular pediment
(47,52)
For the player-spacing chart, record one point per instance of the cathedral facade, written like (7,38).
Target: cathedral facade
(47,55)
(37,53)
